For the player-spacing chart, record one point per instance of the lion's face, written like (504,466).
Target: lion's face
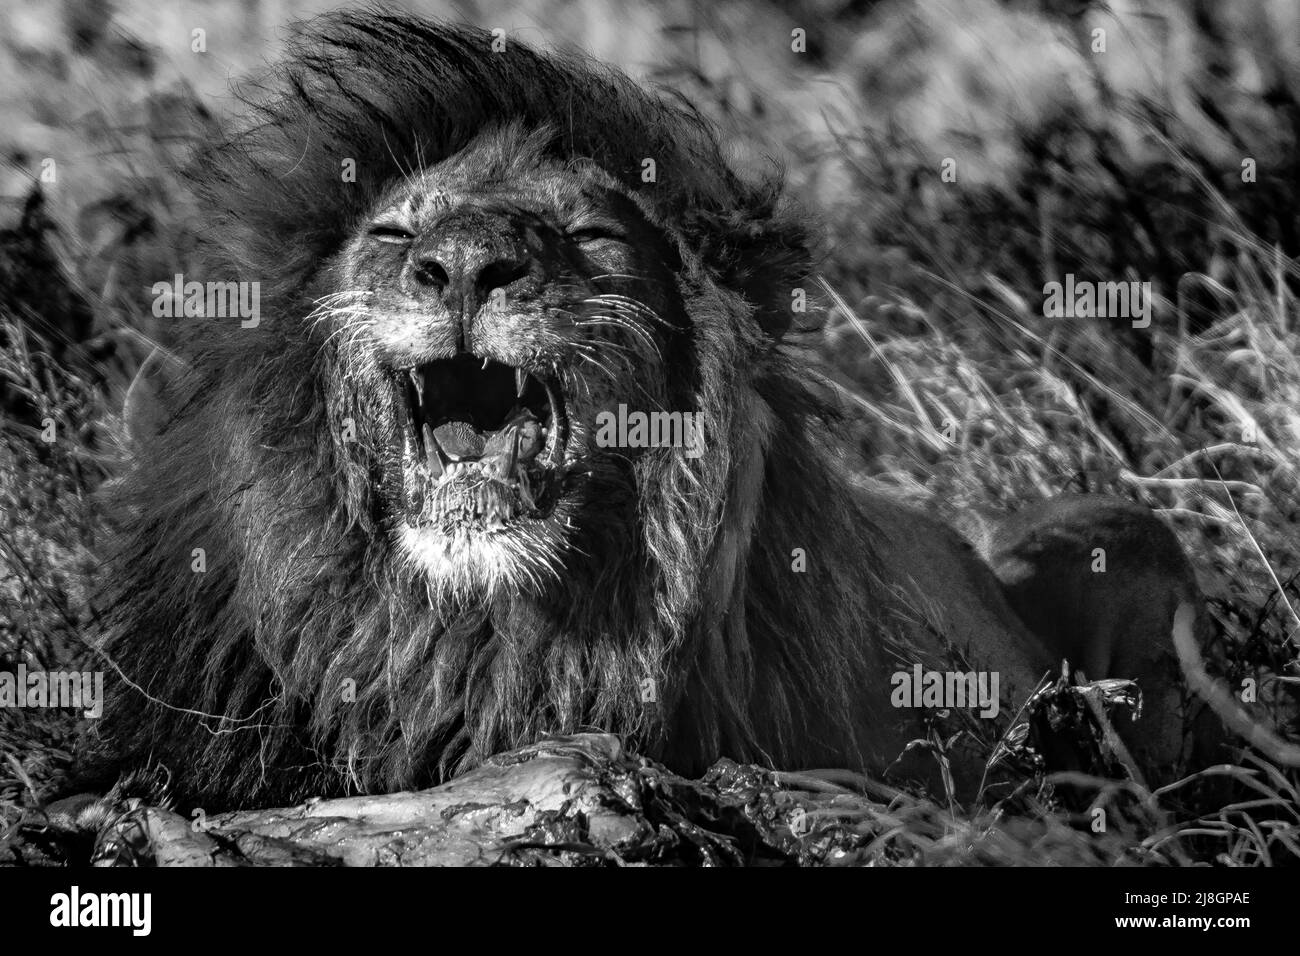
(499,302)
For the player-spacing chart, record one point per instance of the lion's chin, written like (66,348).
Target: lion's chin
(470,562)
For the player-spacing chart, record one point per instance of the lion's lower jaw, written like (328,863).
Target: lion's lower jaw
(469,563)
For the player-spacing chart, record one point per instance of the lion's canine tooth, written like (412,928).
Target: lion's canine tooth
(520,378)
(432,453)
(514,454)
(443,458)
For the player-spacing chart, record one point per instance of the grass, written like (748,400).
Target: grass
(961,394)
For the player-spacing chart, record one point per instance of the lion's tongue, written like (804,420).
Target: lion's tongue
(460,440)
(518,440)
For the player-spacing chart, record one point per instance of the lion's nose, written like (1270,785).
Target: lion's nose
(467,287)
(466,272)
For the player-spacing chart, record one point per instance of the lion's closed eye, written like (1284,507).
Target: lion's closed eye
(599,232)
(391,232)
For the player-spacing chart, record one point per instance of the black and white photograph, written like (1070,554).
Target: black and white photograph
(651,433)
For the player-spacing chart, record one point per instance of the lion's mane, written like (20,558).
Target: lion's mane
(303,657)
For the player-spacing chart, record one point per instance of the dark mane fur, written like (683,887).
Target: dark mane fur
(688,582)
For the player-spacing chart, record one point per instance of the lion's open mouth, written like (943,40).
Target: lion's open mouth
(483,443)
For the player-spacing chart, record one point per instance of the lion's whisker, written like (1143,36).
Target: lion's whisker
(630,326)
(627,302)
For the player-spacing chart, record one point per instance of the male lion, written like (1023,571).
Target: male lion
(388,527)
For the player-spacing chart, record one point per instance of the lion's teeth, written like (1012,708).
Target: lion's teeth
(550,442)
(521,378)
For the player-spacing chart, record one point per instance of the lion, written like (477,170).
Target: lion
(513,447)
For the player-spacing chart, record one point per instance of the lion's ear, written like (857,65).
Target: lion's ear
(769,280)
(765,258)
